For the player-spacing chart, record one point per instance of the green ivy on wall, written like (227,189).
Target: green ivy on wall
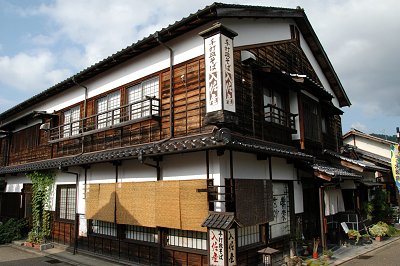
(42,186)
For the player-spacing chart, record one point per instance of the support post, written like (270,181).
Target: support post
(322,216)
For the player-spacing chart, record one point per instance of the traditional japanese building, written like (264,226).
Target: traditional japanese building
(197,145)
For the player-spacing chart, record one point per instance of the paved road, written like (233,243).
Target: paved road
(387,255)
(10,255)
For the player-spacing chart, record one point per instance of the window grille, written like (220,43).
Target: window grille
(108,103)
(187,239)
(141,233)
(104,228)
(66,202)
(248,235)
(138,93)
(71,127)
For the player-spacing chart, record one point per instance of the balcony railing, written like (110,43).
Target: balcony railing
(279,116)
(118,117)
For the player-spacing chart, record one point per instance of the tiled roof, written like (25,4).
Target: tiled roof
(221,138)
(334,171)
(364,164)
(359,133)
(372,156)
(220,220)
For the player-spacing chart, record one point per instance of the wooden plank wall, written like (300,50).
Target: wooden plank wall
(188,114)
(141,253)
(62,232)
(29,145)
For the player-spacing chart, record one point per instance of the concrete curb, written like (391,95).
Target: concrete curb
(61,253)
(372,247)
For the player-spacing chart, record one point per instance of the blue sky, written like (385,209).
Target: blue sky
(42,42)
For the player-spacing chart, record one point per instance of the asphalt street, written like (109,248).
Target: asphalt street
(10,255)
(387,255)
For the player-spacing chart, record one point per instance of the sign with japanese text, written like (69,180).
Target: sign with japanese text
(213,73)
(231,255)
(394,152)
(228,80)
(217,247)
(220,81)
(222,249)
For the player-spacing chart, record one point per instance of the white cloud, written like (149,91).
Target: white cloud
(30,72)
(106,26)
(359,126)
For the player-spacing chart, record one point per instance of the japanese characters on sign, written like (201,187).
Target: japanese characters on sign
(222,247)
(228,74)
(231,247)
(394,152)
(213,73)
(217,247)
(220,85)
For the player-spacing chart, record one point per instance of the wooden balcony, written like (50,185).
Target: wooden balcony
(273,114)
(146,109)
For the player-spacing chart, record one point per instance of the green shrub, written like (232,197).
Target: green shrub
(379,229)
(393,231)
(11,230)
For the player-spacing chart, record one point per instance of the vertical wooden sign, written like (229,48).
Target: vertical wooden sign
(220,78)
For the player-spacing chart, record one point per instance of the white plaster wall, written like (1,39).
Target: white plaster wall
(254,31)
(184,166)
(16,182)
(369,145)
(134,171)
(281,170)
(318,69)
(246,166)
(217,168)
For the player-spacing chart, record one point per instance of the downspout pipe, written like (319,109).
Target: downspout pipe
(84,106)
(76,210)
(171,91)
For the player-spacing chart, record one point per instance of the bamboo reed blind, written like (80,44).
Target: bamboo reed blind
(100,202)
(171,204)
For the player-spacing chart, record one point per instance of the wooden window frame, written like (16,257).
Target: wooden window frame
(71,129)
(142,105)
(244,233)
(111,116)
(189,235)
(107,225)
(141,233)
(58,202)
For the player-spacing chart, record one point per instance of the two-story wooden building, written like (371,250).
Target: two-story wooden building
(193,146)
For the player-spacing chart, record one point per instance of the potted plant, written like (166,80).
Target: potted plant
(327,253)
(354,234)
(315,248)
(379,230)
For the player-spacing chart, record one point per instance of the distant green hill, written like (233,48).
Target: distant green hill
(386,137)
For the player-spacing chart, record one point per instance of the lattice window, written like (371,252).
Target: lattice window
(187,239)
(70,127)
(137,97)
(141,233)
(66,196)
(248,235)
(104,228)
(110,103)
